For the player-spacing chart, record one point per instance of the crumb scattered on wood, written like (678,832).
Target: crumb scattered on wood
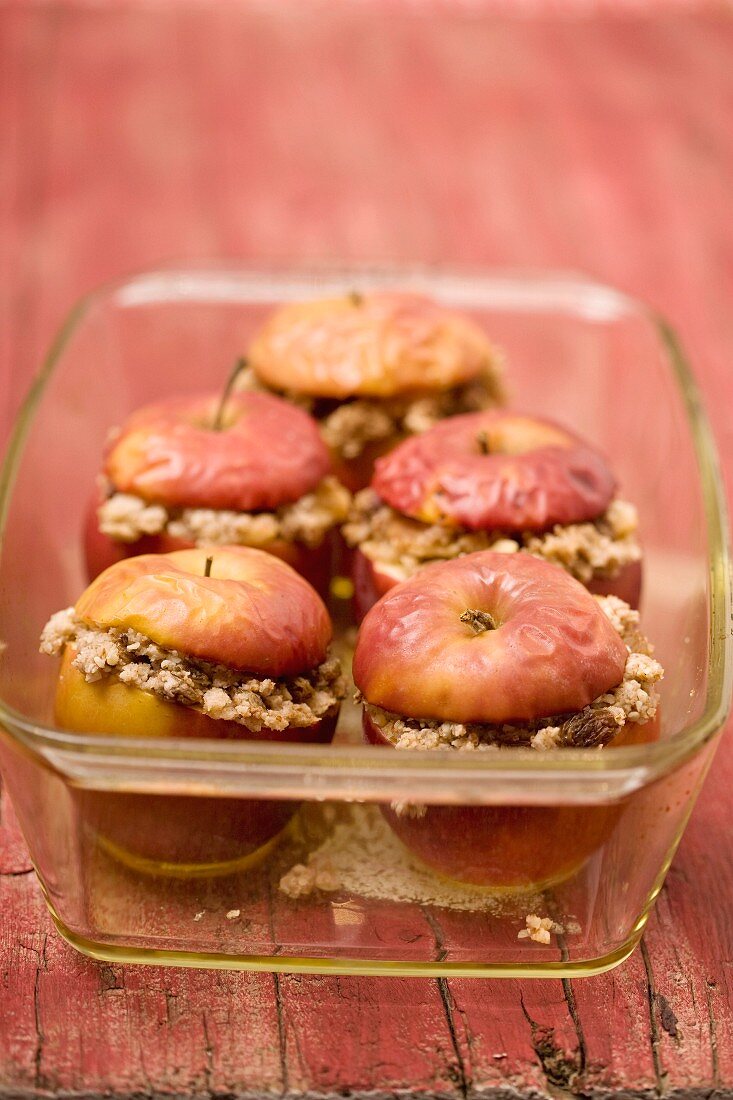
(233,914)
(200,916)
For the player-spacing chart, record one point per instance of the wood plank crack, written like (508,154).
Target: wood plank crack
(281,1035)
(438,935)
(713,1032)
(562,1071)
(582,1055)
(659,1071)
(569,994)
(209,1053)
(457,1071)
(42,965)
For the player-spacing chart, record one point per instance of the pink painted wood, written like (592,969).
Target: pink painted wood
(533,135)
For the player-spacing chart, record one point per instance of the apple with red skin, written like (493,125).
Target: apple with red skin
(551,651)
(372,344)
(376,346)
(266,454)
(157,829)
(499,472)
(254,614)
(496,471)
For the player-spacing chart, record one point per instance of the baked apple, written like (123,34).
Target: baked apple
(177,475)
(374,367)
(493,480)
(223,642)
(492,653)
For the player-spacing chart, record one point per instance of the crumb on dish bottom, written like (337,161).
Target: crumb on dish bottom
(216,691)
(357,848)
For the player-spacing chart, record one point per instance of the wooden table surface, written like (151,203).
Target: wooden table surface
(597,137)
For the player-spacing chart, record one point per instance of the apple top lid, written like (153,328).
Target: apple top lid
(246,609)
(263,454)
(487,638)
(496,471)
(379,345)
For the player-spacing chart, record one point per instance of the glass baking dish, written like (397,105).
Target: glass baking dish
(111,822)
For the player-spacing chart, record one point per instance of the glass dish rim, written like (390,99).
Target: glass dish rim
(273,765)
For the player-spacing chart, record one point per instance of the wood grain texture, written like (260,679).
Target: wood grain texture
(133,133)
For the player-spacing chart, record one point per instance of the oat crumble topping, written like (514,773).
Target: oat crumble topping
(126,518)
(635,700)
(585,550)
(215,690)
(353,424)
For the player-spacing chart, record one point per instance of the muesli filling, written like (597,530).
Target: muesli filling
(634,700)
(125,517)
(348,426)
(217,691)
(586,550)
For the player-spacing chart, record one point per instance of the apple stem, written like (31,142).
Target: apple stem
(479,621)
(239,366)
(356,298)
(483,443)
(208,565)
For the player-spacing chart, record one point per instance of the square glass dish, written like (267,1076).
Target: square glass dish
(137,842)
